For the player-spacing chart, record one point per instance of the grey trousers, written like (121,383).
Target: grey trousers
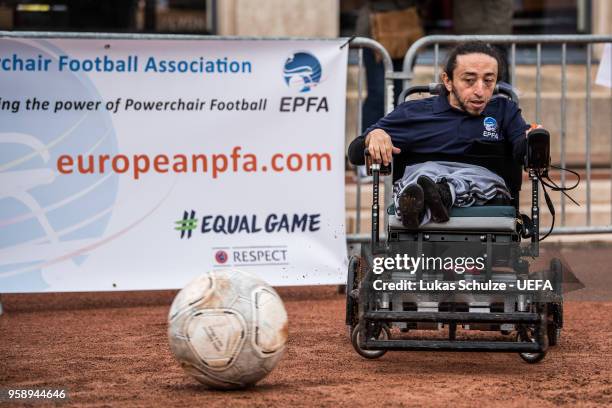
(469,184)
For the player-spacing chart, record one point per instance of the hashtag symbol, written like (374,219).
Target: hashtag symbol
(187,224)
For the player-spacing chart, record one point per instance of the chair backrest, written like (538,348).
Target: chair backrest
(490,155)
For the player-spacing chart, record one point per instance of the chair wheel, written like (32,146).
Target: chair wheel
(554,334)
(385,334)
(530,358)
(555,310)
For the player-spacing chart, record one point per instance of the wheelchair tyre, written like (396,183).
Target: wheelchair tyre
(555,310)
(352,283)
(554,334)
(556,272)
(385,334)
(529,334)
(553,328)
(530,358)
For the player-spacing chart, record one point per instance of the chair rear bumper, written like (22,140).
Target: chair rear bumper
(453,317)
(450,345)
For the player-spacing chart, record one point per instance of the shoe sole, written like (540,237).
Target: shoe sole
(439,213)
(411,204)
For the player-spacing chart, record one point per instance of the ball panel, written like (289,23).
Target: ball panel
(216,336)
(196,291)
(209,379)
(270,320)
(180,347)
(224,291)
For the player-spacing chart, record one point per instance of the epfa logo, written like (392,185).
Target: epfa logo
(490,125)
(302,71)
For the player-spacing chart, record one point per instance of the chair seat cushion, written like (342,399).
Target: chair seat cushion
(486,218)
(484,211)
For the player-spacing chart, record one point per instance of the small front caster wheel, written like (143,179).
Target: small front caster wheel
(384,334)
(530,358)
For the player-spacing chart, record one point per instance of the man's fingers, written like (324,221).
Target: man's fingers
(372,150)
(380,147)
(375,153)
(385,153)
(389,151)
(382,154)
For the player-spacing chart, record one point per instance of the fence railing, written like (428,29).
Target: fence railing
(408,75)
(410,65)
(360,43)
(537,41)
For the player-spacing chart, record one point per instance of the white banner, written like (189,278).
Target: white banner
(130,165)
(604,72)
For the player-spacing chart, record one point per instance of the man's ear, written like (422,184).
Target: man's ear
(448,84)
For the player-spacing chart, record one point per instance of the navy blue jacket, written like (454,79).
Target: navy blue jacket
(430,127)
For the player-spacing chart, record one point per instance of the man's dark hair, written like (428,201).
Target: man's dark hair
(473,47)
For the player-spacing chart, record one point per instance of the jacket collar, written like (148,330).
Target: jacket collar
(440,104)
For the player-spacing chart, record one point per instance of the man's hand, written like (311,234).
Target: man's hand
(533,126)
(380,147)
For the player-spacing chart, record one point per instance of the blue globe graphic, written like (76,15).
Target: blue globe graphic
(490,123)
(45,215)
(302,71)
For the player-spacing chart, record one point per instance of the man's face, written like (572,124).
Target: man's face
(473,82)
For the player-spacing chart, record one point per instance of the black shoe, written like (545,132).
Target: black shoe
(433,199)
(411,206)
(445,193)
(499,199)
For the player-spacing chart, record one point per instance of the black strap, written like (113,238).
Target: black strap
(543,175)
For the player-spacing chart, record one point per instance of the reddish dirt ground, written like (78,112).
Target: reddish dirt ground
(112,349)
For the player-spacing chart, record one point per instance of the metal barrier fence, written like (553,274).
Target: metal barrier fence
(512,41)
(537,41)
(407,75)
(360,43)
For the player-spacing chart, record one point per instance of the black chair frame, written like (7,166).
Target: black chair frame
(537,317)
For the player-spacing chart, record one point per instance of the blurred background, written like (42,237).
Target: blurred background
(322,18)
(539,87)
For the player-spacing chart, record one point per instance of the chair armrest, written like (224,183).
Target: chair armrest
(537,155)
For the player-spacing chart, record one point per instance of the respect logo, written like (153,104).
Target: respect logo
(255,255)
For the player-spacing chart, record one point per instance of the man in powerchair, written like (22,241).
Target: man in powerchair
(455,145)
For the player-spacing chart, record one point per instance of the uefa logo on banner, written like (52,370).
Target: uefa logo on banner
(221,257)
(302,71)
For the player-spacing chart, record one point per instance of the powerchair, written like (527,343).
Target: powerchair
(381,317)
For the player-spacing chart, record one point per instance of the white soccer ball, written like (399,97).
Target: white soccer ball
(227,328)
